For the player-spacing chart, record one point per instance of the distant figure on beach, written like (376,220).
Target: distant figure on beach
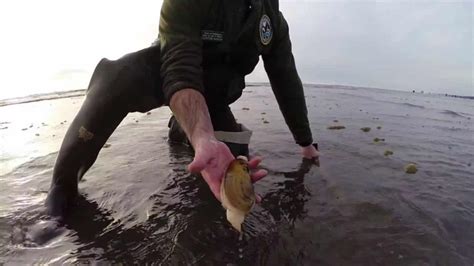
(197,66)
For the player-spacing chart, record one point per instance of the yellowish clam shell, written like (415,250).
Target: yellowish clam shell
(237,192)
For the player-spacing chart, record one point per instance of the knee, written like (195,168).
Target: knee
(123,81)
(111,78)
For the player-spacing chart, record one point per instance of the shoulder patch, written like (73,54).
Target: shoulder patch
(266,31)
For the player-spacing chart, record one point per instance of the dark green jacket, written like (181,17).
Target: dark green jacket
(210,45)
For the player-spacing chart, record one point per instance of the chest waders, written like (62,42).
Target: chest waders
(118,87)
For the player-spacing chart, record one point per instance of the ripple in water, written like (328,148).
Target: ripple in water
(139,204)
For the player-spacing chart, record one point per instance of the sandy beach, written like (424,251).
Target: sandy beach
(358,206)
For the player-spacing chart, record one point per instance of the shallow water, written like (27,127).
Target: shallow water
(356,206)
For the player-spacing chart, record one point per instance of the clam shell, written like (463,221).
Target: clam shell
(237,192)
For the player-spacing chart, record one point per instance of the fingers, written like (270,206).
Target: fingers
(258,198)
(254,162)
(259,174)
(310,152)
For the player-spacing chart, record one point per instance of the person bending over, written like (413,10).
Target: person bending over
(197,66)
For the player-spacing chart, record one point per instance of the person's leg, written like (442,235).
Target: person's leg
(118,87)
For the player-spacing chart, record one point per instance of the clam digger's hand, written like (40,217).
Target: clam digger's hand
(310,152)
(212,158)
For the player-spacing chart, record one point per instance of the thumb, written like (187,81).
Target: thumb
(197,165)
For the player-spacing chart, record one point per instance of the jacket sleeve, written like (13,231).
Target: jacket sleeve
(286,84)
(181,45)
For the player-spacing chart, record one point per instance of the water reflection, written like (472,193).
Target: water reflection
(288,200)
(206,236)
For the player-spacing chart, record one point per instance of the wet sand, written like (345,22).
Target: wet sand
(357,207)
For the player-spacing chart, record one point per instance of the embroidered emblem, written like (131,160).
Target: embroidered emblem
(266,31)
(212,35)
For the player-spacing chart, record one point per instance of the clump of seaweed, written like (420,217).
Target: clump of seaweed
(365,129)
(336,127)
(411,168)
(378,140)
(245,108)
(379,127)
(388,152)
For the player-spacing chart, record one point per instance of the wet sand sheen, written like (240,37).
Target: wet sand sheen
(358,206)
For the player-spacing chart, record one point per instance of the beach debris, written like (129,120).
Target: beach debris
(336,127)
(266,122)
(263,113)
(237,193)
(107,145)
(1,128)
(388,152)
(24,129)
(335,121)
(411,168)
(245,108)
(54,135)
(85,135)
(365,129)
(379,127)
(43,124)
(378,139)
(37,134)
(31,125)
(148,113)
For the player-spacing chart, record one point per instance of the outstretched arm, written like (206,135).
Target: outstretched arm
(212,157)
(288,89)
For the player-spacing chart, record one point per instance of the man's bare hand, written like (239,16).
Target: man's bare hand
(212,158)
(310,152)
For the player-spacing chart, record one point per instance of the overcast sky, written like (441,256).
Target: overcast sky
(423,45)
